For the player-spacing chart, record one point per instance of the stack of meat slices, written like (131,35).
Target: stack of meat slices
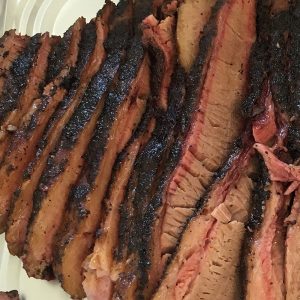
(153,152)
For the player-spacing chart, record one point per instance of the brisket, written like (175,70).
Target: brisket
(206,262)
(89,61)
(165,200)
(66,161)
(21,149)
(122,112)
(98,281)
(32,89)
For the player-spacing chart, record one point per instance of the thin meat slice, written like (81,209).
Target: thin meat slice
(31,90)
(292,246)
(66,161)
(91,56)
(159,36)
(97,281)
(193,15)
(206,262)
(122,112)
(21,149)
(265,257)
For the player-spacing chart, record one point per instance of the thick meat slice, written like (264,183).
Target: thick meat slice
(66,161)
(30,90)
(124,108)
(11,45)
(163,199)
(192,18)
(21,149)
(215,124)
(265,257)
(292,244)
(12,295)
(89,61)
(205,265)
(98,265)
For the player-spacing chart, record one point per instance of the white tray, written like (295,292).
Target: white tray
(30,17)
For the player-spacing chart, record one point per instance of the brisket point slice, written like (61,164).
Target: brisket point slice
(64,165)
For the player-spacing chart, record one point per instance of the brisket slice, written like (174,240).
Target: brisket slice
(122,112)
(21,150)
(292,245)
(193,15)
(202,142)
(265,245)
(32,90)
(205,265)
(159,43)
(91,56)
(216,122)
(66,161)
(97,276)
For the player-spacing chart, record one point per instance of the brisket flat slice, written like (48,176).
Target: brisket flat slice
(24,141)
(66,161)
(122,112)
(34,78)
(292,245)
(91,56)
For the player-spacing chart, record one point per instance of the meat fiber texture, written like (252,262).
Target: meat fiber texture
(153,153)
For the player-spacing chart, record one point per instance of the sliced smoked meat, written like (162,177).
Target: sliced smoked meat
(21,150)
(66,161)
(205,265)
(122,112)
(97,276)
(91,56)
(216,122)
(193,15)
(32,89)
(265,247)
(171,176)
(292,245)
